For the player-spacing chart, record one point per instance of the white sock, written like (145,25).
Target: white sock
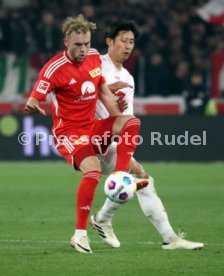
(80,233)
(154,210)
(107,211)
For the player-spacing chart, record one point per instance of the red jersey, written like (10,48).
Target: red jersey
(74,88)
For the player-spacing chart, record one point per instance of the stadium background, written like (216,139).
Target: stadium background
(178,65)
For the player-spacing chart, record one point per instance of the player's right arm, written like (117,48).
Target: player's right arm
(42,87)
(33,107)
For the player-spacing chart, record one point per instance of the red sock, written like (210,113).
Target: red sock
(127,144)
(85,195)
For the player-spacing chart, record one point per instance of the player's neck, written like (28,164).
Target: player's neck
(115,62)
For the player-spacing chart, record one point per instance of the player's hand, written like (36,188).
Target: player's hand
(118,85)
(122,105)
(34,109)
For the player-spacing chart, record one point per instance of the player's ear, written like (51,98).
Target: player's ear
(109,41)
(65,42)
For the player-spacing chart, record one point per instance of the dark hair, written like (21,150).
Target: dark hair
(114,29)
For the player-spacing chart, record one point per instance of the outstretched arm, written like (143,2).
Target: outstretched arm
(109,101)
(32,107)
(118,85)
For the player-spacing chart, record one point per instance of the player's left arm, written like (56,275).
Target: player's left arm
(115,86)
(129,96)
(109,101)
(129,100)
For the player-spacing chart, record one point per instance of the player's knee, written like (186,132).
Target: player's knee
(121,121)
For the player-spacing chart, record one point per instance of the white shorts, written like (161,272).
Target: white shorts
(108,159)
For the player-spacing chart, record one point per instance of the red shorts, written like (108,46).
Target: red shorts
(77,144)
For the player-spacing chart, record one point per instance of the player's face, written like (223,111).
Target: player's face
(78,45)
(122,45)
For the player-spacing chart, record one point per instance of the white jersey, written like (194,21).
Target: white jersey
(112,74)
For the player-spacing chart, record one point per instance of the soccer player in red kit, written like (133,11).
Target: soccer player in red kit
(75,82)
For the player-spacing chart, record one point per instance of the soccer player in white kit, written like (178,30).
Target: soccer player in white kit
(120,39)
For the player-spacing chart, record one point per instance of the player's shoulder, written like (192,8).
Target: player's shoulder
(54,64)
(107,64)
(93,52)
(57,58)
(127,74)
(105,59)
(93,57)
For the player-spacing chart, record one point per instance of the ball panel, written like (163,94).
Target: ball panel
(111,185)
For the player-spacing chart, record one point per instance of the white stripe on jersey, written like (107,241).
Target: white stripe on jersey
(54,68)
(68,144)
(92,52)
(54,132)
(132,122)
(55,102)
(52,65)
(66,58)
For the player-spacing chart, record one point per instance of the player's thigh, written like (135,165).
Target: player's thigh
(90,163)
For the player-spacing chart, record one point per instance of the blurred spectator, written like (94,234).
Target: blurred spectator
(18,33)
(15,4)
(196,97)
(179,79)
(156,75)
(49,36)
(5,31)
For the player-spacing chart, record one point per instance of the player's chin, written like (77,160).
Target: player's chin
(81,58)
(126,56)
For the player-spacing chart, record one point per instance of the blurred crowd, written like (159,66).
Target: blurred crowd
(172,55)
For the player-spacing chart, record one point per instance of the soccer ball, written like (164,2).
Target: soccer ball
(120,187)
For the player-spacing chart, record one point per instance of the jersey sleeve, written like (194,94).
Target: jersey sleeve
(43,86)
(102,80)
(129,97)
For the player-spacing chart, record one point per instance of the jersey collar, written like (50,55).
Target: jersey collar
(68,58)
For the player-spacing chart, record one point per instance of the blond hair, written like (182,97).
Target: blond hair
(78,24)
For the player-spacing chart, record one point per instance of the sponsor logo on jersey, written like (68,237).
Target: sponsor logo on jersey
(81,98)
(87,88)
(95,72)
(43,87)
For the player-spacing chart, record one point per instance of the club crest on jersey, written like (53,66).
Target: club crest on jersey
(95,72)
(82,140)
(43,87)
(87,88)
